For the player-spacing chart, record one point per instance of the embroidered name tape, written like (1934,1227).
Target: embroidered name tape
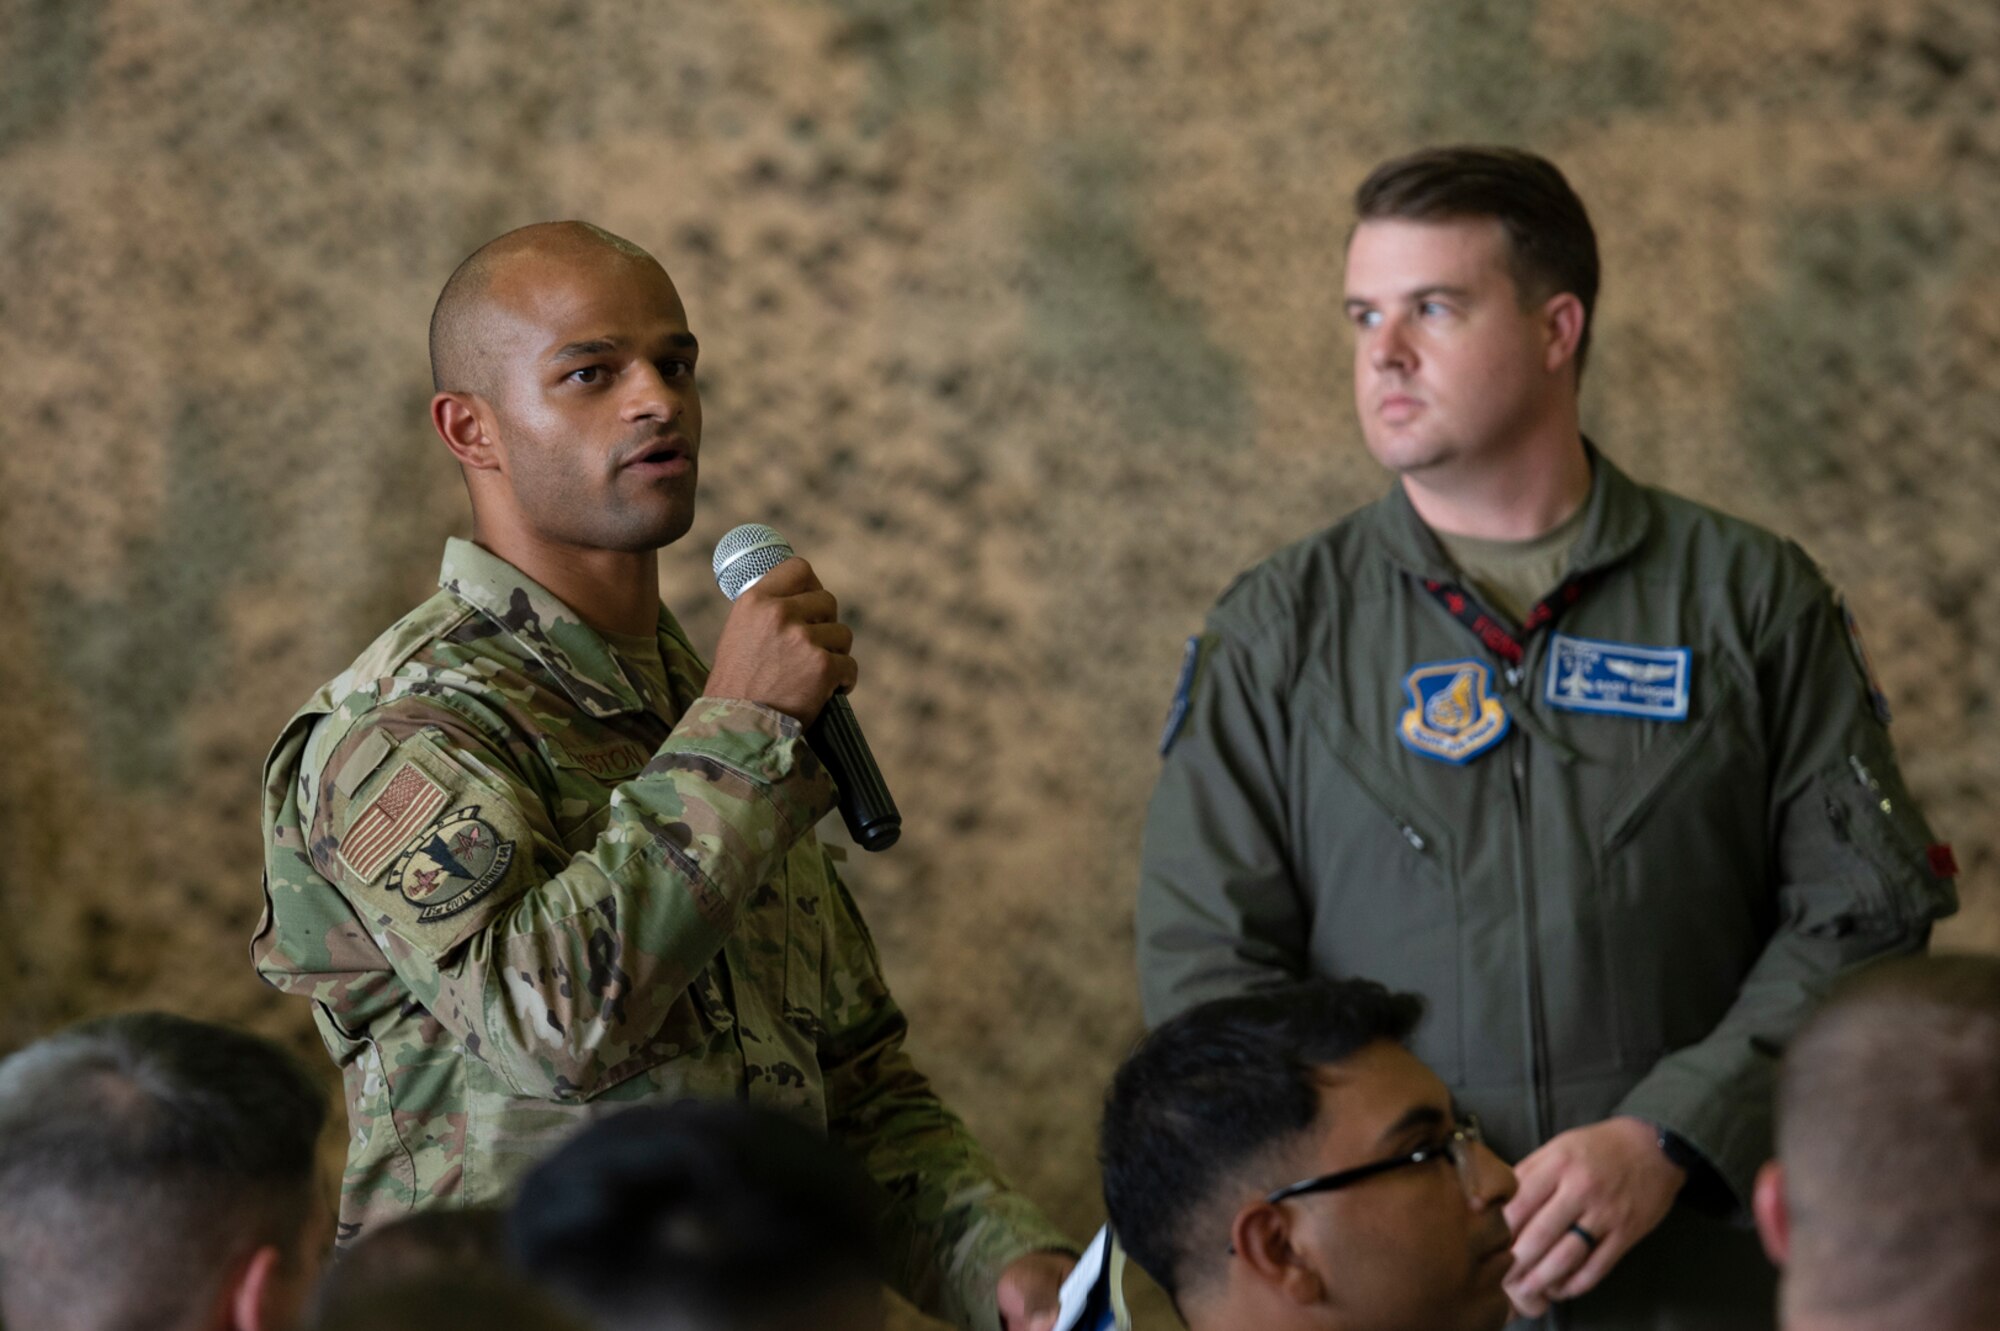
(1453,716)
(1586,675)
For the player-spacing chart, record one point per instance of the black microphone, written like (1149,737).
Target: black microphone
(746,554)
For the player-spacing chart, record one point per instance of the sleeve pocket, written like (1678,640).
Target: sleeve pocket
(428,852)
(1871,815)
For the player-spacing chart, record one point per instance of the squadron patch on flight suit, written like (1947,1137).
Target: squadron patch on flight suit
(1588,675)
(1453,716)
(452,865)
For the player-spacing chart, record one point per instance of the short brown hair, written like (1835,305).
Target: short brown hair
(1551,245)
(1887,1135)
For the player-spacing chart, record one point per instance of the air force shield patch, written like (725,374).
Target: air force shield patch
(458,861)
(1586,675)
(1453,716)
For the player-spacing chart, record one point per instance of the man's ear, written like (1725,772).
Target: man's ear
(1774,1221)
(249,1294)
(465,423)
(1261,1236)
(1563,319)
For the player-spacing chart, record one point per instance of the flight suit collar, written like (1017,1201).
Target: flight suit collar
(1615,520)
(546,629)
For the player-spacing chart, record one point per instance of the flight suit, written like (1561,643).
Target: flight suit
(1620,851)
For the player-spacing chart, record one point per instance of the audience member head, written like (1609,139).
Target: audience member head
(703,1216)
(448,1301)
(158,1172)
(1221,1110)
(1883,1205)
(428,1246)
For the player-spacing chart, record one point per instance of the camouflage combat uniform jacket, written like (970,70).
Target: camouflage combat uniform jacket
(522,890)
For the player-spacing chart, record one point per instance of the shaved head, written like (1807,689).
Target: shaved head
(460,355)
(566,391)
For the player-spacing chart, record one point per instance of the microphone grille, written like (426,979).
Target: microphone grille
(746,554)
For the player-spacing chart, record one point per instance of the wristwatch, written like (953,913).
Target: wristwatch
(1679,1152)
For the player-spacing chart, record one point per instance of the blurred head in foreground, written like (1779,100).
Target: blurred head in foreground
(158,1172)
(1883,1205)
(448,1301)
(1280,1160)
(420,1250)
(703,1216)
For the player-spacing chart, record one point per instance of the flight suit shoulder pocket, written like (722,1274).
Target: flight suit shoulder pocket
(1870,815)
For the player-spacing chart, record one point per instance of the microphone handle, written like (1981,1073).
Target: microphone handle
(863,797)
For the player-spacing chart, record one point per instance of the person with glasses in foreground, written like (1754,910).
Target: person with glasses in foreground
(1280,1160)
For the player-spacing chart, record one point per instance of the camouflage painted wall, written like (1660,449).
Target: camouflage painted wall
(1020,318)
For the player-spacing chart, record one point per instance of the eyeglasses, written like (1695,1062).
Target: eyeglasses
(1458,1148)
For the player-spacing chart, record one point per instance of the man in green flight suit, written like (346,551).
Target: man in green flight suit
(1598,771)
(531,860)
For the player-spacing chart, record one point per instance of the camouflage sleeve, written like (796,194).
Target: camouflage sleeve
(555,969)
(953,1223)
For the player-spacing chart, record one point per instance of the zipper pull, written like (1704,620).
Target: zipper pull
(1410,834)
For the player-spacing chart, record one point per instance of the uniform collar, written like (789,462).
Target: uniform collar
(1615,520)
(546,629)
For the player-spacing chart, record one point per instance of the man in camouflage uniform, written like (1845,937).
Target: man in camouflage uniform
(531,860)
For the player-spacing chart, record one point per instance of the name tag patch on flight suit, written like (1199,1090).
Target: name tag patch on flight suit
(1453,716)
(1587,675)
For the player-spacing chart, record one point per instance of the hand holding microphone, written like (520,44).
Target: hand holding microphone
(784,646)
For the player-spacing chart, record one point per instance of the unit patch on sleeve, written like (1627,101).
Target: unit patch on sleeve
(1453,715)
(1183,692)
(453,865)
(1587,675)
(407,801)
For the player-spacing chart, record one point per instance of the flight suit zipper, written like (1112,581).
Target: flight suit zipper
(1535,1072)
(1520,654)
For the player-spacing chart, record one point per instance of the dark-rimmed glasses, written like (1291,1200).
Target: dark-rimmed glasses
(1458,1148)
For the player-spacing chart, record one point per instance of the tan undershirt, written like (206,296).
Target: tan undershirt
(1510,576)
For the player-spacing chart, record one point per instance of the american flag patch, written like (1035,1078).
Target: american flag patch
(407,803)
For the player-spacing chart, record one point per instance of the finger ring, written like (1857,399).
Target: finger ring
(1589,1239)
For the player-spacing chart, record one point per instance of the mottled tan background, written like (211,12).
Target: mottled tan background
(1019,317)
